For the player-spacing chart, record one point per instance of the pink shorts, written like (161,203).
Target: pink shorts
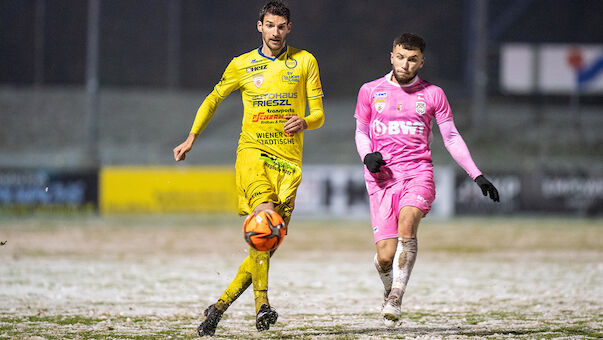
(386,204)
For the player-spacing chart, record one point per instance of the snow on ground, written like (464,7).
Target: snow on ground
(71,281)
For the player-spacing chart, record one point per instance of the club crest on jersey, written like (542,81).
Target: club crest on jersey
(420,108)
(290,62)
(258,80)
(379,105)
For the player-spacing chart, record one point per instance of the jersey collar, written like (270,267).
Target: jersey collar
(388,77)
(273,59)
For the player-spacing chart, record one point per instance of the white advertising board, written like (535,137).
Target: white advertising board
(556,69)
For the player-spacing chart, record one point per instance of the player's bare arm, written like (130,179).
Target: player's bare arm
(186,146)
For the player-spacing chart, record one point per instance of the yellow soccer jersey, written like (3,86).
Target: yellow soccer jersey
(271,88)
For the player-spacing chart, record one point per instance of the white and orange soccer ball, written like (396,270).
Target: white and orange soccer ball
(264,230)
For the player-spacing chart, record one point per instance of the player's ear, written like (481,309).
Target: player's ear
(259,26)
(289,27)
(391,57)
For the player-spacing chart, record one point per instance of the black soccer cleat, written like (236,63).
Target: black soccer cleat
(266,316)
(212,317)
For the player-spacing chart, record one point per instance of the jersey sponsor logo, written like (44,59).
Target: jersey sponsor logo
(420,107)
(272,102)
(279,134)
(256,68)
(379,105)
(258,80)
(290,62)
(379,129)
(287,110)
(278,164)
(253,61)
(290,78)
(395,127)
(275,138)
(263,116)
(375,229)
(273,99)
(380,94)
(275,95)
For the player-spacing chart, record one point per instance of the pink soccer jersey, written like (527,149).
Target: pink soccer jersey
(399,120)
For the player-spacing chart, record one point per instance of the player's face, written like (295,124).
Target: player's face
(406,64)
(274,31)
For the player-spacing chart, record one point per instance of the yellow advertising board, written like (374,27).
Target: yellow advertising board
(130,189)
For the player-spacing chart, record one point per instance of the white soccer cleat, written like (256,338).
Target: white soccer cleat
(389,323)
(391,312)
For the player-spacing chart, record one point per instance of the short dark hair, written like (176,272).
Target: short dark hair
(275,8)
(410,41)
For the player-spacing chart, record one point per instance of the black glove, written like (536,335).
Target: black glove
(373,161)
(487,187)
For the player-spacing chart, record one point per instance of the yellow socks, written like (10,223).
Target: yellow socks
(260,262)
(253,269)
(237,286)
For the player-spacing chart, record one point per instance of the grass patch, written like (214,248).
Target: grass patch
(80,327)
(305,326)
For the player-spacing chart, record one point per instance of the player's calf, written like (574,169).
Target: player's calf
(385,274)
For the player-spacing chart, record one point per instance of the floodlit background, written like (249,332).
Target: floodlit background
(104,236)
(85,85)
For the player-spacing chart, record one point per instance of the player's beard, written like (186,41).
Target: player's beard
(404,80)
(275,46)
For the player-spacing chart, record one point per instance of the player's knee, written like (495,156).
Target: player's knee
(264,206)
(386,250)
(385,261)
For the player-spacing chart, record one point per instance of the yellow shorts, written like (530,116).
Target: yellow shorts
(263,177)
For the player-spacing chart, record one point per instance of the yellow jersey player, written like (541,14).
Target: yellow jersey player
(276,81)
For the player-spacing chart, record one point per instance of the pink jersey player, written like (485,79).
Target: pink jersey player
(394,116)
(396,121)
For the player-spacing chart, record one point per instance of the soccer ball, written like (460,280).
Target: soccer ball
(264,230)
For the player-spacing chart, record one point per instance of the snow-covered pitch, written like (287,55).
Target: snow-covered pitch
(152,277)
